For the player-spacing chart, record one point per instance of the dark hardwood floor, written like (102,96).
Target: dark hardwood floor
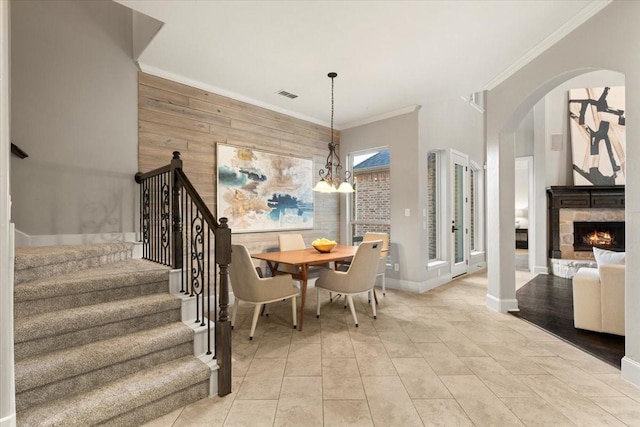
(547,301)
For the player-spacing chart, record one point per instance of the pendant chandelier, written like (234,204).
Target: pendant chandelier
(330,180)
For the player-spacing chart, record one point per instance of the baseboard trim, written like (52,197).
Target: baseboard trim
(417,287)
(8,421)
(538,269)
(23,239)
(502,305)
(630,371)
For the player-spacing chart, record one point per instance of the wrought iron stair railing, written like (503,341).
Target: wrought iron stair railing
(178,230)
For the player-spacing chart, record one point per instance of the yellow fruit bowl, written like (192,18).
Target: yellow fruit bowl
(325,249)
(323,245)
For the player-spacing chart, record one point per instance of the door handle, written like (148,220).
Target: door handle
(454,228)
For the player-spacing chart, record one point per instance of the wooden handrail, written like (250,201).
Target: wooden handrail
(17,151)
(193,193)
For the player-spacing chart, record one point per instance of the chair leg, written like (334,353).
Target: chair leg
(317,303)
(254,321)
(330,297)
(383,287)
(293,310)
(234,311)
(373,304)
(352,308)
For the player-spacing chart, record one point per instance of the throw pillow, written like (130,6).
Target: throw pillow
(604,257)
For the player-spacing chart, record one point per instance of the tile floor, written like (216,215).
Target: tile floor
(436,359)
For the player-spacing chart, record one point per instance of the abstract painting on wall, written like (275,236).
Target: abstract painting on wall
(261,191)
(598,137)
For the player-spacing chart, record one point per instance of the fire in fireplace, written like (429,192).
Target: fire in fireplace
(604,235)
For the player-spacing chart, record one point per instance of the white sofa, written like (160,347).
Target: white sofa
(598,299)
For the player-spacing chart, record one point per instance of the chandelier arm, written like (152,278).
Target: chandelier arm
(333,167)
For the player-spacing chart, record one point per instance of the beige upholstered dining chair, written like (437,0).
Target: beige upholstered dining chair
(290,242)
(249,287)
(359,278)
(382,264)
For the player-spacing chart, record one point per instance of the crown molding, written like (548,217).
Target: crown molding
(388,115)
(592,9)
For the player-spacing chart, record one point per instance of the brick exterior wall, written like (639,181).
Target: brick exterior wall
(372,201)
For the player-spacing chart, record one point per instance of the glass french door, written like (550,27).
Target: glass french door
(459,217)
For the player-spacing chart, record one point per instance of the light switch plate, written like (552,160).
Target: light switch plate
(407,212)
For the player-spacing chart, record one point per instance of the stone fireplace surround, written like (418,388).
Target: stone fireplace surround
(578,203)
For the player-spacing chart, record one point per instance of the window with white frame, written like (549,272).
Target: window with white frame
(433,206)
(476,197)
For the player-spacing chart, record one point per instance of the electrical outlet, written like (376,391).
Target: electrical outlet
(396,267)
(407,212)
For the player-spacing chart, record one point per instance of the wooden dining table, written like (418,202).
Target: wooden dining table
(304,258)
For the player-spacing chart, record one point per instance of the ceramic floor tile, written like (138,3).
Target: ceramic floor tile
(478,401)
(420,334)
(368,346)
(273,348)
(260,388)
(211,411)
(534,411)
(419,379)
(442,413)
(501,382)
(616,382)
(266,368)
(389,402)
(375,366)
(625,409)
(166,420)
(337,346)
(441,359)
(342,367)
(335,374)
(304,360)
(567,401)
(251,413)
(347,413)
(574,377)
(336,387)
(464,347)
(398,344)
(300,402)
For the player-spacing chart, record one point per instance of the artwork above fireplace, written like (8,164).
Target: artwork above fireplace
(604,235)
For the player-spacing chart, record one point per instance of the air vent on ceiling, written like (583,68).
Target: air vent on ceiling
(287,94)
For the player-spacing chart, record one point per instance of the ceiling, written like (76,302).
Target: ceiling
(389,55)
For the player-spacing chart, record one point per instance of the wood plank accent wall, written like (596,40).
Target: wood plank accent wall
(176,117)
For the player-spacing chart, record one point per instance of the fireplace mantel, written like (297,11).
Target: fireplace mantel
(577,197)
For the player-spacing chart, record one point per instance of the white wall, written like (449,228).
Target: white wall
(595,45)
(441,125)
(444,125)
(400,134)
(524,136)
(7,371)
(453,123)
(74,111)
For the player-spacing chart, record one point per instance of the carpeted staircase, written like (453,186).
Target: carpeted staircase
(99,339)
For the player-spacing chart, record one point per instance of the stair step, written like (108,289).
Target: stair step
(49,332)
(117,281)
(36,262)
(79,369)
(131,400)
